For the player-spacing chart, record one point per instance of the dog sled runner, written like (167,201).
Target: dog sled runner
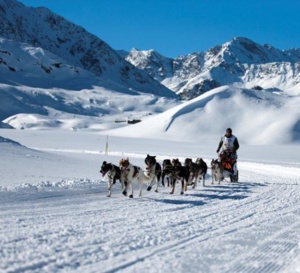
(229,174)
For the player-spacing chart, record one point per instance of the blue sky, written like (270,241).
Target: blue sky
(176,27)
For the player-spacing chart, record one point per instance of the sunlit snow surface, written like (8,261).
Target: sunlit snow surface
(55,216)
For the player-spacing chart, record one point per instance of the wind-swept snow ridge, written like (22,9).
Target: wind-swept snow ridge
(244,110)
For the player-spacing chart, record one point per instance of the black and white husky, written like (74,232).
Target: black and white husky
(153,171)
(113,174)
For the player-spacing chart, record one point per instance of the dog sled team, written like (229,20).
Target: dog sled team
(187,173)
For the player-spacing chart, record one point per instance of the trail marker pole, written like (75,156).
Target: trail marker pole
(106,146)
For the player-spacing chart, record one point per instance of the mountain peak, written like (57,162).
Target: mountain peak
(240,61)
(156,65)
(242,40)
(151,53)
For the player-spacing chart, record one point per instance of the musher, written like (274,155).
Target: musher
(228,145)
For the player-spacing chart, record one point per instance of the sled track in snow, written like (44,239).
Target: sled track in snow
(232,227)
(265,248)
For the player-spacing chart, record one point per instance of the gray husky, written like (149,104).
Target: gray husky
(216,171)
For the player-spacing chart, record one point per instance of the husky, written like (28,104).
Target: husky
(216,171)
(202,169)
(167,172)
(129,173)
(180,173)
(194,173)
(113,173)
(153,171)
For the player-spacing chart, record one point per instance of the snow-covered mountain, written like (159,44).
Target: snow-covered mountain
(250,86)
(52,69)
(41,28)
(36,82)
(241,62)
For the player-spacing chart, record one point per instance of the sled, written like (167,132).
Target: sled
(229,163)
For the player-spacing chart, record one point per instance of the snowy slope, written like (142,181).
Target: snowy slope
(258,117)
(36,82)
(56,216)
(36,67)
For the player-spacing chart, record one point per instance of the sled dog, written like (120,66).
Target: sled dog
(153,171)
(129,173)
(113,174)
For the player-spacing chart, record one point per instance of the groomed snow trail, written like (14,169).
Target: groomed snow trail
(70,225)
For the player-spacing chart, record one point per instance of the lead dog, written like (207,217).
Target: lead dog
(153,171)
(113,174)
(129,173)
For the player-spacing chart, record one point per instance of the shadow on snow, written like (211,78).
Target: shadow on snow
(233,191)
